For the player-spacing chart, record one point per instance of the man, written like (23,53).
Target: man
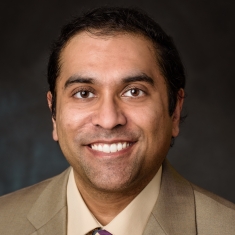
(116,95)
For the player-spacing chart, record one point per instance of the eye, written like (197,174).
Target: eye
(84,94)
(133,92)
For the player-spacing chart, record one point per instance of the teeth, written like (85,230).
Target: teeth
(124,145)
(119,146)
(113,148)
(110,148)
(106,148)
(100,148)
(95,147)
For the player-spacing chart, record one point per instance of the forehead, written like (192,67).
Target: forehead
(115,55)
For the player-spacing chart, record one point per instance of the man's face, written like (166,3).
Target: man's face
(112,120)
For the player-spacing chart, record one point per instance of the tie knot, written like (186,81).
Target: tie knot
(101,232)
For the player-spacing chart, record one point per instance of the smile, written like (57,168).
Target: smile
(110,148)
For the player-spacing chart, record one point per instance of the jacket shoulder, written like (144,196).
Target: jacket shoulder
(15,207)
(214,215)
(25,196)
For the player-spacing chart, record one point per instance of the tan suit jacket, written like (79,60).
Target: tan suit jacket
(182,208)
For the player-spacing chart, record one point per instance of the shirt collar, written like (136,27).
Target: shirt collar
(132,220)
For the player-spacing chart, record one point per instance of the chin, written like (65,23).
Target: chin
(111,185)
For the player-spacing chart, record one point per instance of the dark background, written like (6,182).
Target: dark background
(204,34)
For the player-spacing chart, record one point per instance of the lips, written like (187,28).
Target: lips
(110,148)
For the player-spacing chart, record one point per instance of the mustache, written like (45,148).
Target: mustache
(86,137)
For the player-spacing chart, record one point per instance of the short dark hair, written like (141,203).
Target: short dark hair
(114,20)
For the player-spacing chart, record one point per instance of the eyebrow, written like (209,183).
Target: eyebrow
(135,78)
(78,79)
(139,78)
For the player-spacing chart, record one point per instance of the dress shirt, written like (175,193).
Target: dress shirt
(131,220)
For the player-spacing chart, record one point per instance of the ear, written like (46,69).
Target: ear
(177,112)
(49,101)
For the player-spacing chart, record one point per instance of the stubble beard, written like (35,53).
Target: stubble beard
(108,175)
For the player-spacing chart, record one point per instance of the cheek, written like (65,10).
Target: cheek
(149,118)
(155,123)
(71,119)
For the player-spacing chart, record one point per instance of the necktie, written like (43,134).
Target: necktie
(100,232)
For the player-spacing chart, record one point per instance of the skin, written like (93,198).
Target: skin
(110,90)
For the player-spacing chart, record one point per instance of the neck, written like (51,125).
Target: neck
(105,206)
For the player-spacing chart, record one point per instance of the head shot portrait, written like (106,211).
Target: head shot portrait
(116,92)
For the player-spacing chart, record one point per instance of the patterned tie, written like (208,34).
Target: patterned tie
(99,231)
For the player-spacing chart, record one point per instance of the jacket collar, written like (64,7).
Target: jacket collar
(49,213)
(174,211)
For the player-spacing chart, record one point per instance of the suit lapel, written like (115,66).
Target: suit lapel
(153,227)
(174,212)
(48,214)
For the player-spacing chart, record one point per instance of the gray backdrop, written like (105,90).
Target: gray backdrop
(204,34)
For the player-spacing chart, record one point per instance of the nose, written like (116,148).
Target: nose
(108,114)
